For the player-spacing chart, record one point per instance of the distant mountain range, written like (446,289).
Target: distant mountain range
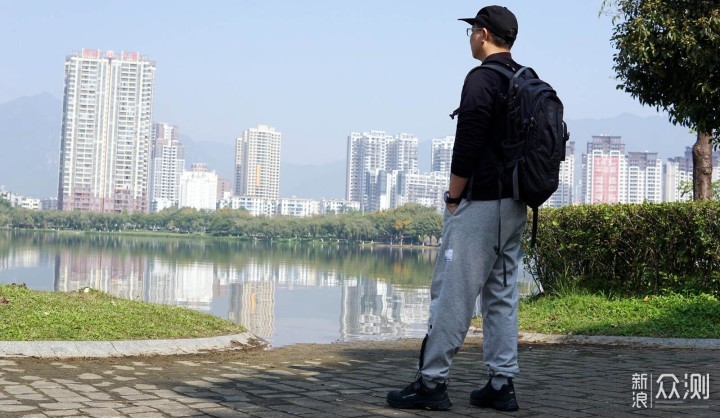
(30,149)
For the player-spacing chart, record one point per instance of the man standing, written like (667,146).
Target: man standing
(473,259)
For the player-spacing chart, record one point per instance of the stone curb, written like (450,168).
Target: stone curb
(532,337)
(244,341)
(691,343)
(130,348)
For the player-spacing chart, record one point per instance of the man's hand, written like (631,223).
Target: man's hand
(451,207)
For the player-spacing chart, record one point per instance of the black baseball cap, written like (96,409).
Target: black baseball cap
(498,19)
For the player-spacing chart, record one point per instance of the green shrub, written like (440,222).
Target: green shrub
(629,249)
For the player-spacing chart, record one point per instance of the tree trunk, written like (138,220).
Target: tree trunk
(702,167)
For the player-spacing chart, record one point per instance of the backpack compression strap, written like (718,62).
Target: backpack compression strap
(534,228)
(457,111)
(498,248)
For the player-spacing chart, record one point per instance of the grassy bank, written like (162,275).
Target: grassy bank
(671,315)
(29,315)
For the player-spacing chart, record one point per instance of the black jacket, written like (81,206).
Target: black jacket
(481,126)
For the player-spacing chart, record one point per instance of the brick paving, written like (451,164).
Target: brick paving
(345,380)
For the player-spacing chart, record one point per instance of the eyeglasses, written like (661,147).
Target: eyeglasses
(470,31)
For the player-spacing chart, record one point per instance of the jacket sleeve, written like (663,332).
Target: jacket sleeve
(473,125)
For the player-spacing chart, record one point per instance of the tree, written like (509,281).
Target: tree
(427,224)
(667,57)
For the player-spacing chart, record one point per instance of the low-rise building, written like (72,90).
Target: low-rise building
(198,188)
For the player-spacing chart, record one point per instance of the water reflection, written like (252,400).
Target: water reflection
(284,293)
(374,308)
(253,305)
(190,285)
(119,275)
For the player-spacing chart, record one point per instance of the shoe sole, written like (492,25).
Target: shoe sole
(441,405)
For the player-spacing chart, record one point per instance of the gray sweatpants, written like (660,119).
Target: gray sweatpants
(467,266)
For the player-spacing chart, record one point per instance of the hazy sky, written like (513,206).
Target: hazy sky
(316,70)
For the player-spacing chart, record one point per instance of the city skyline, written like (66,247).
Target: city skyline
(108,105)
(639,176)
(408,61)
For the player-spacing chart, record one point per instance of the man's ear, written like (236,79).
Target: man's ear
(486,34)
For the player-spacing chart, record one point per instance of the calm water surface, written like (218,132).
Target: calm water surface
(285,293)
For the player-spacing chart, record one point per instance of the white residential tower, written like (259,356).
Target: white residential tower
(106,132)
(257,163)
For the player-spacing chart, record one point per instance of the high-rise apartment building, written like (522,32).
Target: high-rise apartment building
(678,176)
(564,194)
(441,157)
(106,132)
(167,165)
(380,188)
(644,177)
(403,154)
(677,180)
(257,163)
(367,152)
(604,171)
(374,160)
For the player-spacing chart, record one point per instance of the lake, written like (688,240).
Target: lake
(284,292)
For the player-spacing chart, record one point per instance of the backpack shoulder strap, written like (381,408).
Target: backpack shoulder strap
(500,69)
(457,111)
(512,76)
(470,72)
(508,73)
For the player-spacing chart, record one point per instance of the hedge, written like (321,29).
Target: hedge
(629,249)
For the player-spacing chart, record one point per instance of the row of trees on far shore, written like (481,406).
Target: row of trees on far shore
(409,224)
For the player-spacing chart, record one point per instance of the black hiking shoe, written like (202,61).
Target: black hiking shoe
(419,396)
(502,399)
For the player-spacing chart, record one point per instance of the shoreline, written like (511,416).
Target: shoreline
(182,235)
(247,342)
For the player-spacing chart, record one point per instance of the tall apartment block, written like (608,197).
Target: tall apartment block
(167,165)
(563,196)
(604,171)
(366,152)
(257,163)
(403,154)
(678,176)
(374,158)
(441,157)
(106,132)
(644,177)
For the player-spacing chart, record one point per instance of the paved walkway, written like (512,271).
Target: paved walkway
(349,380)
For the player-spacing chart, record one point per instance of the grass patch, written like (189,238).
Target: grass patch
(670,315)
(29,315)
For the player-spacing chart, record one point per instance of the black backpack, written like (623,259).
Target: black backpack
(536,137)
(535,143)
